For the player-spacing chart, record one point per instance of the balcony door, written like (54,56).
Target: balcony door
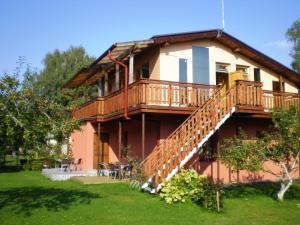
(101,153)
(200,65)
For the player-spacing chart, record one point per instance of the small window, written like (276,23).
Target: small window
(276,86)
(244,69)
(257,74)
(207,152)
(145,70)
(222,68)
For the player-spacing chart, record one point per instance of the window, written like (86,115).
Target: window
(182,70)
(200,64)
(145,70)
(244,69)
(276,86)
(207,151)
(222,68)
(257,74)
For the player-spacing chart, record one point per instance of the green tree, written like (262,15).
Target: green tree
(293,35)
(28,121)
(59,67)
(281,147)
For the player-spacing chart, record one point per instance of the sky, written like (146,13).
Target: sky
(33,28)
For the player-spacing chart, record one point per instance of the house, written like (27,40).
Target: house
(173,99)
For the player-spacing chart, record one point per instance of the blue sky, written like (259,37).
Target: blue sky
(33,28)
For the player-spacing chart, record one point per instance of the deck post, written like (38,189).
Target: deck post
(143,136)
(237,131)
(131,72)
(281,84)
(117,81)
(218,156)
(120,140)
(99,87)
(99,148)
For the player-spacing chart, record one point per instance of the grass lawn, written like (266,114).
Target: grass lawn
(30,198)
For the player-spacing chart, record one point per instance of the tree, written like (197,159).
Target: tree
(281,147)
(293,35)
(59,67)
(28,121)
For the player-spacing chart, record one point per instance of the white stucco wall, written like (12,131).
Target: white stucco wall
(170,54)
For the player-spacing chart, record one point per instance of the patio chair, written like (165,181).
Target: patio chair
(126,171)
(103,169)
(113,170)
(77,163)
(65,165)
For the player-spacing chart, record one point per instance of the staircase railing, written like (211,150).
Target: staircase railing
(193,132)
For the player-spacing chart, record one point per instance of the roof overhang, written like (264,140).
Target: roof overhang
(119,51)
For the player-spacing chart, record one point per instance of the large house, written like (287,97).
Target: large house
(173,99)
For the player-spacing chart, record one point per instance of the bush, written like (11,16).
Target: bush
(38,164)
(188,185)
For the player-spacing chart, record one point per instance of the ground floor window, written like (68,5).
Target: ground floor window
(207,151)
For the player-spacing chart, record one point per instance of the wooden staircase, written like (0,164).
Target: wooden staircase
(174,152)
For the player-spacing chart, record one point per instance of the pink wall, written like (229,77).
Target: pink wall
(82,145)
(251,126)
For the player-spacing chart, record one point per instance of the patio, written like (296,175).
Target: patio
(58,174)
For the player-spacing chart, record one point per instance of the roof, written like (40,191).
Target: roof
(122,51)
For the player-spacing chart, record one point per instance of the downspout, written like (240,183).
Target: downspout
(126,84)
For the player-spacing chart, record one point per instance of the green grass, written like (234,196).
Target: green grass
(30,198)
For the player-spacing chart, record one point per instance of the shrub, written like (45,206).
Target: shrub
(38,164)
(188,185)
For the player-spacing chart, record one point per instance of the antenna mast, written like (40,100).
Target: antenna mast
(223,20)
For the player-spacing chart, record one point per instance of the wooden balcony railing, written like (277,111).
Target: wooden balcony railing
(280,100)
(156,94)
(150,94)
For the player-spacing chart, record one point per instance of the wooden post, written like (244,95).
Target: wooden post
(280,83)
(120,140)
(143,136)
(218,157)
(237,133)
(99,87)
(117,81)
(131,72)
(99,148)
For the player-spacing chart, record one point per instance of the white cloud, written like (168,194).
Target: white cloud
(280,44)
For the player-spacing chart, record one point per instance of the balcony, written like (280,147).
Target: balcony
(147,96)
(181,98)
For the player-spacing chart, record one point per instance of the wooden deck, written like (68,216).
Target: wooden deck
(147,96)
(181,98)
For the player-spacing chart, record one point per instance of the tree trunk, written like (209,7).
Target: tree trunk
(286,176)
(284,187)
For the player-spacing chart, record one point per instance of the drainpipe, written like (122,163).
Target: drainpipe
(126,84)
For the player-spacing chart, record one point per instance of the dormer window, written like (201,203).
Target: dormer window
(222,67)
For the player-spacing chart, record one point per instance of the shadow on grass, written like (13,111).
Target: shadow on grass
(24,200)
(10,169)
(261,189)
